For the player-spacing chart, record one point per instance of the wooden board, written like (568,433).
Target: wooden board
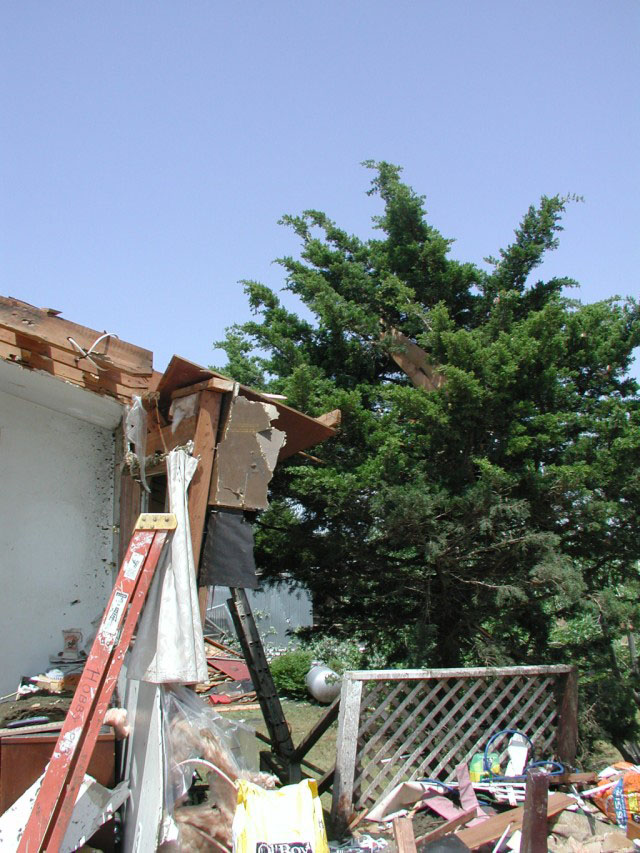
(27,349)
(105,383)
(492,829)
(204,447)
(163,439)
(403,834)
(302,431)
(179,374)
(42,325)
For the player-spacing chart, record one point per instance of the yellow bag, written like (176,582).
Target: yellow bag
(288,820)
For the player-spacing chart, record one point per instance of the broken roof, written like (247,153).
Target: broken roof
(40,340)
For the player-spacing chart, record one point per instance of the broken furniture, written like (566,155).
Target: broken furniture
(400,725)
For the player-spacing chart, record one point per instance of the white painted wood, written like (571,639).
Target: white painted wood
(475,672)
(59,396)
(95,805)
(56,535)
(404,724)
(348,722)
(143,766)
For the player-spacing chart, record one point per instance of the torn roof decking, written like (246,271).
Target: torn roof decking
(302,430)
(38,339)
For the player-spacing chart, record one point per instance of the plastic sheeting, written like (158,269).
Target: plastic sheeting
(170,646)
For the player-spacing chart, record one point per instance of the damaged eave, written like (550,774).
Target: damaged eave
(39,340)
(302,431)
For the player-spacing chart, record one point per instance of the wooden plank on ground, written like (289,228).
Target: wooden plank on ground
(447,827)
(403,834)
(492,829)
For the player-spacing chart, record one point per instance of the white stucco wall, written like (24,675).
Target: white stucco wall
(56,537)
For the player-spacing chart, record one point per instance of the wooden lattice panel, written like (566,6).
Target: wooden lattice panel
(397,726)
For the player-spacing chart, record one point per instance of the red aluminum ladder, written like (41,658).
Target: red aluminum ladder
(53,807)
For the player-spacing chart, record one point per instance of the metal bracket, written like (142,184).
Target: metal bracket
(156,521)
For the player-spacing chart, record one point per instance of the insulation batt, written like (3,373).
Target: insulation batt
(117,719)
(207,827)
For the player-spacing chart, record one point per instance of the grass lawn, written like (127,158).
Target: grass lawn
(301,717)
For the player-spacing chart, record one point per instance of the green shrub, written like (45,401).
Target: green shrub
(289,671)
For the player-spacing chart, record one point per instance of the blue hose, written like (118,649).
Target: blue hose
(486,763)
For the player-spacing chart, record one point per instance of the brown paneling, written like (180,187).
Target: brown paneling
(23,758)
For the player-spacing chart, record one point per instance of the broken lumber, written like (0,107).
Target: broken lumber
(447,827)
(534,821)
(492,829)
(403,834)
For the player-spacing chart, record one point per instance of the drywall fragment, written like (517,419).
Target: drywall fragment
(94,806)
(246,456)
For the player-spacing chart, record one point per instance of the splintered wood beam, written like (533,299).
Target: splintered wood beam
(204,448)
(43,325)
(414,361)
(403,834)
(331,419)
(214,384)
(164,439)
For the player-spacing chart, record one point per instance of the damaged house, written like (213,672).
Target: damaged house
(86,428)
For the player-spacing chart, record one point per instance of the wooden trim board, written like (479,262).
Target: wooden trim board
(491,829)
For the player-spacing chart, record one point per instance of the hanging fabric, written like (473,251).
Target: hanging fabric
(170,646)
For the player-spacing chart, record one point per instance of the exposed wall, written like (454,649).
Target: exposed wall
(56,537)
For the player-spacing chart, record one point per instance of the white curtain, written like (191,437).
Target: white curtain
(170,647)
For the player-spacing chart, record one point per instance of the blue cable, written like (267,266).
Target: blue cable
(440,784)
(486,763)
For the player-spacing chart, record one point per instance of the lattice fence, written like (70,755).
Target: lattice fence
(396,726)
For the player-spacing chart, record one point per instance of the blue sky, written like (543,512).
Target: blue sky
(149,148)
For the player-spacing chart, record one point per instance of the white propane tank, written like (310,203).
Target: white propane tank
(323,683)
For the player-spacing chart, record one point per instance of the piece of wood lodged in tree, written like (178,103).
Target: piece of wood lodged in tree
(414,361)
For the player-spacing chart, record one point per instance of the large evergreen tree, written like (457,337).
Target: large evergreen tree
(493,519)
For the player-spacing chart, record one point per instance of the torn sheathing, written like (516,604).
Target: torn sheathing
(247,455)
(243,456)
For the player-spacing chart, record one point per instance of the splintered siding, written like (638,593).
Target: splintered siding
(277,609)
